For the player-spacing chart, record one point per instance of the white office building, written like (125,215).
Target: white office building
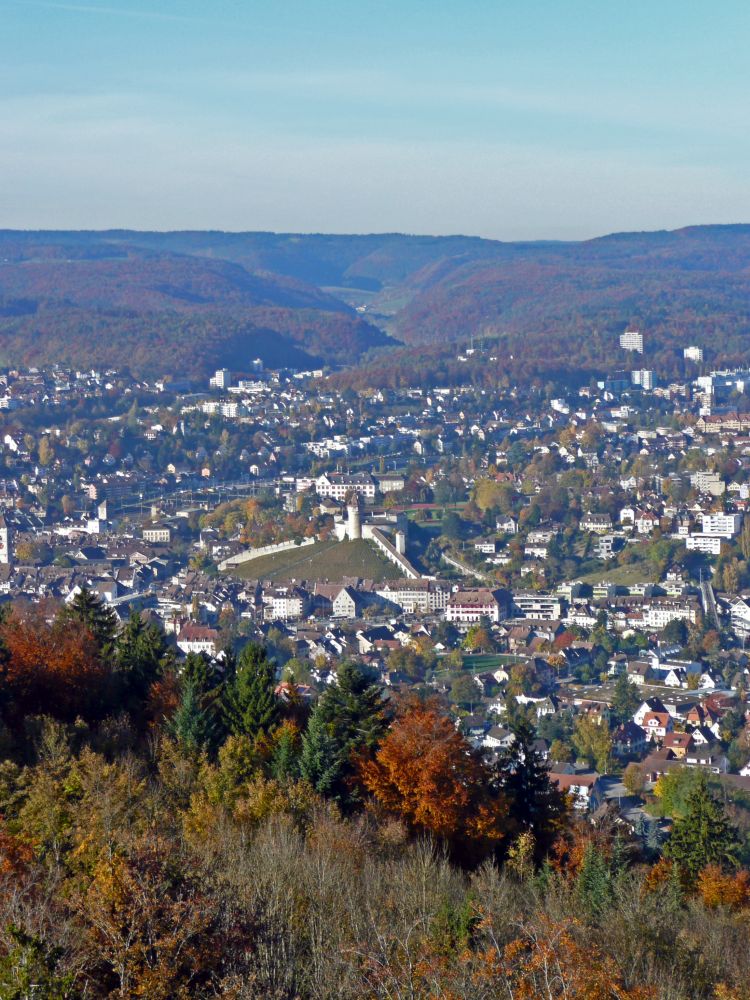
(632,340)
(221,379)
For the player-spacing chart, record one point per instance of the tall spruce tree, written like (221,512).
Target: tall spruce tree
(285,759)
(88,610)
(141,656)
(625,699)
(253,706)
(594,882)
(320,762)
(704,835)
(192,725)
(355,715)
(201,702)
(534,803)
(354,708)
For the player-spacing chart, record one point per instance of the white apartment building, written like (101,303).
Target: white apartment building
(699,542)
(632,340)
(708,482)
(390,483)
(721,524)
(223,408)
(693,353)
(658,615)
(605,546)
(417,596)
(546,607)
(160,534)
(346,603)
(599,523)
(194,638)
(739,610)
(285,604)
(507,524)
(643,377)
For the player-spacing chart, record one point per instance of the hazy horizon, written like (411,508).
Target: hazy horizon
(353,234)
(509,122)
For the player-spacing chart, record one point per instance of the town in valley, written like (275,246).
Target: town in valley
(576,556)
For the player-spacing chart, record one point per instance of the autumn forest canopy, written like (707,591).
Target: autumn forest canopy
(186,303)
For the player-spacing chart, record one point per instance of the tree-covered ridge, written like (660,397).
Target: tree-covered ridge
(152,282)
(182,343)
(559,304)
(161,313)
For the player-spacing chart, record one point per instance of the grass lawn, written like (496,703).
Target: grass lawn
(479,664)
(623,576)
(330,560)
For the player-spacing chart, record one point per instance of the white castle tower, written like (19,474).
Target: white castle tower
(354,519)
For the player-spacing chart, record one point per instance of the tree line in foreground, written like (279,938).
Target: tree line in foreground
(198,831)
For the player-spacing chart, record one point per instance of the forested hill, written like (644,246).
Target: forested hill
(76,298)
(688,286)
(192,300)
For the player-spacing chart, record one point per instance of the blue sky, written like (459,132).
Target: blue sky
(514,119)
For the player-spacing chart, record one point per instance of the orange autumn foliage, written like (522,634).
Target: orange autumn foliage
(15,852)
(569,850)
(426,774)
(658,875)
(547,962)
(716,888)
(155,932)
(724,992)
(51,668)
(163,699)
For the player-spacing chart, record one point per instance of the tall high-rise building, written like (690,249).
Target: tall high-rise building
(632,340)
(221,379)
(643,377)
(693,353)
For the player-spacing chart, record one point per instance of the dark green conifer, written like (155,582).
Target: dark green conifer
(354,709)
(141,656)
(704,835)
(285,759)
(88,610)
(534,803)
(320,761)
(594,882)
(254,707)
(192,725)
(625,699)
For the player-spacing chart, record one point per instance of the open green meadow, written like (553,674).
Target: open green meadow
(331,560)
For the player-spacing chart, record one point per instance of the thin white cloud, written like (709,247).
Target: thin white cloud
(608,106)
(76,8)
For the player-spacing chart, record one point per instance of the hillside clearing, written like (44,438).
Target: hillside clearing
(331,560)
